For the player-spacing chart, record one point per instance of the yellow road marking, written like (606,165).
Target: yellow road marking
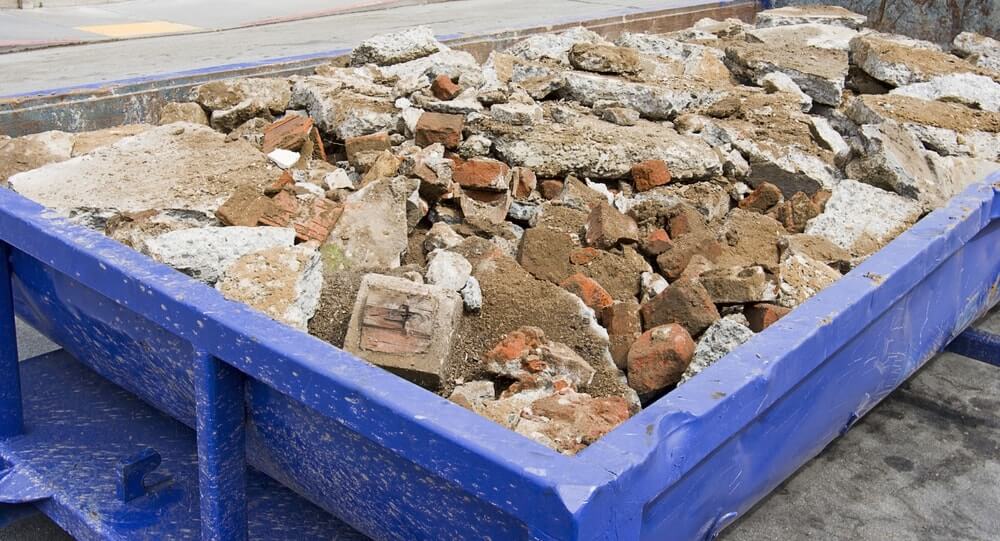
(129,30)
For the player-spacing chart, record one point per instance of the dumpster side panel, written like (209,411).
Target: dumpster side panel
(693,461)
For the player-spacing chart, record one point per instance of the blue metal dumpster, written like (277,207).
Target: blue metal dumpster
(397,462)
(173,413)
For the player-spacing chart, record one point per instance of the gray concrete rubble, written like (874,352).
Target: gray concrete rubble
(980,50)
(403,46)
(976,91)
(205,253)
(232,102)
(718,340)
(283,282)
(794,15)
(862,219)
(557,236)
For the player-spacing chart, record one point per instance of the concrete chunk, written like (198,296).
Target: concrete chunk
(397,47)
(404,327)
(862,219)
(372,231)
(284,283)
(175,166)
(789,15)
(718,340)
(205,253)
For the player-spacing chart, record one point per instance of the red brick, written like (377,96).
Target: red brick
(763,315)
(365,143)
(676,258)
(794,213)
(444,88)
(515,344)
(649,174)
(525,182)
(606,227)
(284,181)
(591,292)
(312,220)
(439,128)
(658,359)
(684,302)
(319,150)
(482,174)
(583,256)
(289,133)
(656,242)
(764,196)
(551,189)
(622,321)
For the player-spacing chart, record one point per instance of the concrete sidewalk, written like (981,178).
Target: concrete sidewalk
(52,26)
(38,70)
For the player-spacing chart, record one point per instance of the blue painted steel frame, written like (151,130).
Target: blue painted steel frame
(396,461)
(977,344)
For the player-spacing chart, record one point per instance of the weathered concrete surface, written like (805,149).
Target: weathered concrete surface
(175,166)
(205,253)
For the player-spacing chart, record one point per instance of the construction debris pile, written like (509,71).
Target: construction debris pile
(558,235)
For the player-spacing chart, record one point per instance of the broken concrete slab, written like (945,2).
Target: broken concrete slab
(718,340)
(599,58)
(659,101)
(404,327)
(175,166)
(204,253)
(397,47)
(824,36)
(372,231)
(820,73)
(553,46)
(793,15)
(899,64)
(980,50)
(600,150)
(862,219)
(133,229)
(976,91)
(282,282)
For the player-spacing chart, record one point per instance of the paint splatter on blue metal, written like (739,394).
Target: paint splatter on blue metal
(397,462)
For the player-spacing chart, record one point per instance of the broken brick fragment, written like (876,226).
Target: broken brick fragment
(312,219)
(606,227)
(524,181)
(675,259)
(284,181)
(551,189)
(684,302)
(762,315)
(319,150)
(624,325)
(821,197)
(375,142)
(482,174)
(794,213)
(583,256)
(244,208)
(658,359)
(649,174)
(764,196)
(444,88)
(289,133)
(439,128)
(656,242)
(589,291)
